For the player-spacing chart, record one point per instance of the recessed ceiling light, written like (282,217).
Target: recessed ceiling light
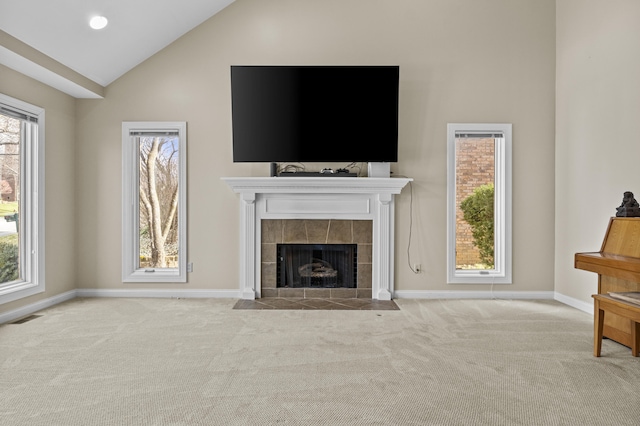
(98,22)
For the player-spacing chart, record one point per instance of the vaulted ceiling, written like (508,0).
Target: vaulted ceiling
(52,42)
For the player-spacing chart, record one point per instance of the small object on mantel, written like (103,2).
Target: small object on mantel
(627,296)
(629,206)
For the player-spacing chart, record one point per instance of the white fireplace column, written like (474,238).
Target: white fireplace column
(317,198)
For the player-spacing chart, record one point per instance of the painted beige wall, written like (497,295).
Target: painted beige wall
(60,200)
(460,61)
(597,139)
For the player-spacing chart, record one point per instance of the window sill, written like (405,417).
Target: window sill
(19,290)
(476,277)
(169,275)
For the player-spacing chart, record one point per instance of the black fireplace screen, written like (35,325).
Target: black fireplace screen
(317,265)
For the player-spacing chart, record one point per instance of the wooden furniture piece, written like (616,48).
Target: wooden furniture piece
(618,267)
(631,311)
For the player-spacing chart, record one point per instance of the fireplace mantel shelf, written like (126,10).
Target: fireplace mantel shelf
(317,198)
(332,185)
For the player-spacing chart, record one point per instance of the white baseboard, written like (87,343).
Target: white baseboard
(176,294)
(575,303)
(515,295)
(459,294)
(6,317)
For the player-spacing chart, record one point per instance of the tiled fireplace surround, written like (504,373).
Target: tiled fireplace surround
(272,206)
(316,231)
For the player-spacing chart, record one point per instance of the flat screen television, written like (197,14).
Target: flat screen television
(314,113)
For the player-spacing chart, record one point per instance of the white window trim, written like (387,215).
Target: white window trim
(130,205)
(502,273)
(32,223)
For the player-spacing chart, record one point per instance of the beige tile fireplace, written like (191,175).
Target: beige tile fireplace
(316,231)
(342,201)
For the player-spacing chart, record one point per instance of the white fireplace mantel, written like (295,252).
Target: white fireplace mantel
(317,198)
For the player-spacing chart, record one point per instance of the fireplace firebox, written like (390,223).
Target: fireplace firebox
(317,265)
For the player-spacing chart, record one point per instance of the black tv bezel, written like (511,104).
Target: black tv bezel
(368,155)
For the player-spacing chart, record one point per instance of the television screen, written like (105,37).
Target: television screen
(314,113)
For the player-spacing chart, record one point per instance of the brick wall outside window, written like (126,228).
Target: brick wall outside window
(475,166)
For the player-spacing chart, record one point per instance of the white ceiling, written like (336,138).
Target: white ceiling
(60,29)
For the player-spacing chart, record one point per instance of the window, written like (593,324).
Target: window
(22,199)
(154,205)
(479,203)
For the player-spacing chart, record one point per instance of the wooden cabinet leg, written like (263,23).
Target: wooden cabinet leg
(598,324)
(635,338)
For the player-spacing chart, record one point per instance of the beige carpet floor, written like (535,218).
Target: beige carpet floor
(201,362)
